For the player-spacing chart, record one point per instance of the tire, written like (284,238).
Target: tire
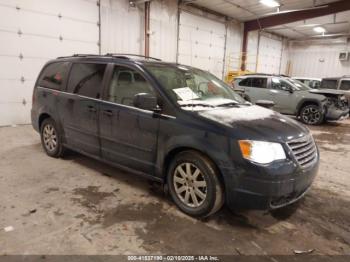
(199,194)
(51,138)
(311,115)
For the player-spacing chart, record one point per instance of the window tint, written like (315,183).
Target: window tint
(245,82)
(54,75)
(316,84)
(329,84)
(345,85)
(259,82)
(280,84)
(86,79)
(125,84)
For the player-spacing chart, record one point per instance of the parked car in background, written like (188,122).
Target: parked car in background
(292,97)
(175,124)
(314,83)
(338,83)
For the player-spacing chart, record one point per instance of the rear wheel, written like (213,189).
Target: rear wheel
(51,138)
(194,184)
(311,115)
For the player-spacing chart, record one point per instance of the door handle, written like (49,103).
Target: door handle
(92,109)
(108,112)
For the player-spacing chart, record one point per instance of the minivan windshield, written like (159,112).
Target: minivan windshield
(194,87)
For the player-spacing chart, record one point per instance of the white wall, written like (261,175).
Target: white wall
(234,40)
(252,51)
(163,26)
(30,35)
(42,22)
(285,60)
(318,60)
(266,53)
(269,54)
(122,27)
(202,42)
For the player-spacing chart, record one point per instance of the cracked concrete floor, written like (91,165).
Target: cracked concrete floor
(77,205)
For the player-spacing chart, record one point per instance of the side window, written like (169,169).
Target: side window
(245,82)
(280,84)
(259,82)
(54,75)
(125,84)
(345,85)
(86,78)
(316,84)
(329,84)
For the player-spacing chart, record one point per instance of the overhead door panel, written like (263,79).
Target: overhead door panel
(201,43)
(269,57)
(33,32)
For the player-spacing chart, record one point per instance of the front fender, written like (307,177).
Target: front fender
(308,100)
(217,151)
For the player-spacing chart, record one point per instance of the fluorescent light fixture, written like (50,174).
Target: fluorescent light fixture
(270,3)
(319,29)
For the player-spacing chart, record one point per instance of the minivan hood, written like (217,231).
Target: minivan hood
(256,123)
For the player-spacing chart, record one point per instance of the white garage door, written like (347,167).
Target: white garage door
(33,32)
(201,43)
(269,58)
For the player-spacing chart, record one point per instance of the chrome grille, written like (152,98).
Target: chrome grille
(304,150)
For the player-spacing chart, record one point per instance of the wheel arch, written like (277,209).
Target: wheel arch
(46,115)
(175,151)
(307,102)
(41,119)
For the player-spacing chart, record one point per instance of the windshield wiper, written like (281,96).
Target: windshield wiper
(196,104)
(233,103)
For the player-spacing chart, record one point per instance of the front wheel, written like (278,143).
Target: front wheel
(194,184)
(311,115)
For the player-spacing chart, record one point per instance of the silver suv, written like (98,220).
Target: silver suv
(292,97)
(338,83)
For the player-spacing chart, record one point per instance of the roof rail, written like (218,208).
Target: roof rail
(265,74)
(126,56)
(77,55)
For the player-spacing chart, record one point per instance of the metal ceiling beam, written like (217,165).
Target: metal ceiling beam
(290,17)
(286,18)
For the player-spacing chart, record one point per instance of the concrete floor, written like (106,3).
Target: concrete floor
(79,206)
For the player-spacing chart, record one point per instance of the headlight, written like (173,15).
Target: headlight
(261,152)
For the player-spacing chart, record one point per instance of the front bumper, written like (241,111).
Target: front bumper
(334,114)
(251,192)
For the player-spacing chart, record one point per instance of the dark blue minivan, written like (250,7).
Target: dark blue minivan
(177,125)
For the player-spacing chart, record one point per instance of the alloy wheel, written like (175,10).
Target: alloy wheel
(311,115)
(50,137)
(190,185)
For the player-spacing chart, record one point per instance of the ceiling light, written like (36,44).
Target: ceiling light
(319,29)
(270,3)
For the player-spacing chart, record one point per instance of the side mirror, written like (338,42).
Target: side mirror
(288,89)
(146,101)
(265,103)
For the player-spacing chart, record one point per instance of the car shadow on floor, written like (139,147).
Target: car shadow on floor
(237,218)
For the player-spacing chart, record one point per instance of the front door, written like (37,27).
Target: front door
(80,107)
(128,134)
(280,94)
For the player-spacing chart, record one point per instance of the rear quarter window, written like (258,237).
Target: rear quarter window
(86,78)
(54,75)
(345,85)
